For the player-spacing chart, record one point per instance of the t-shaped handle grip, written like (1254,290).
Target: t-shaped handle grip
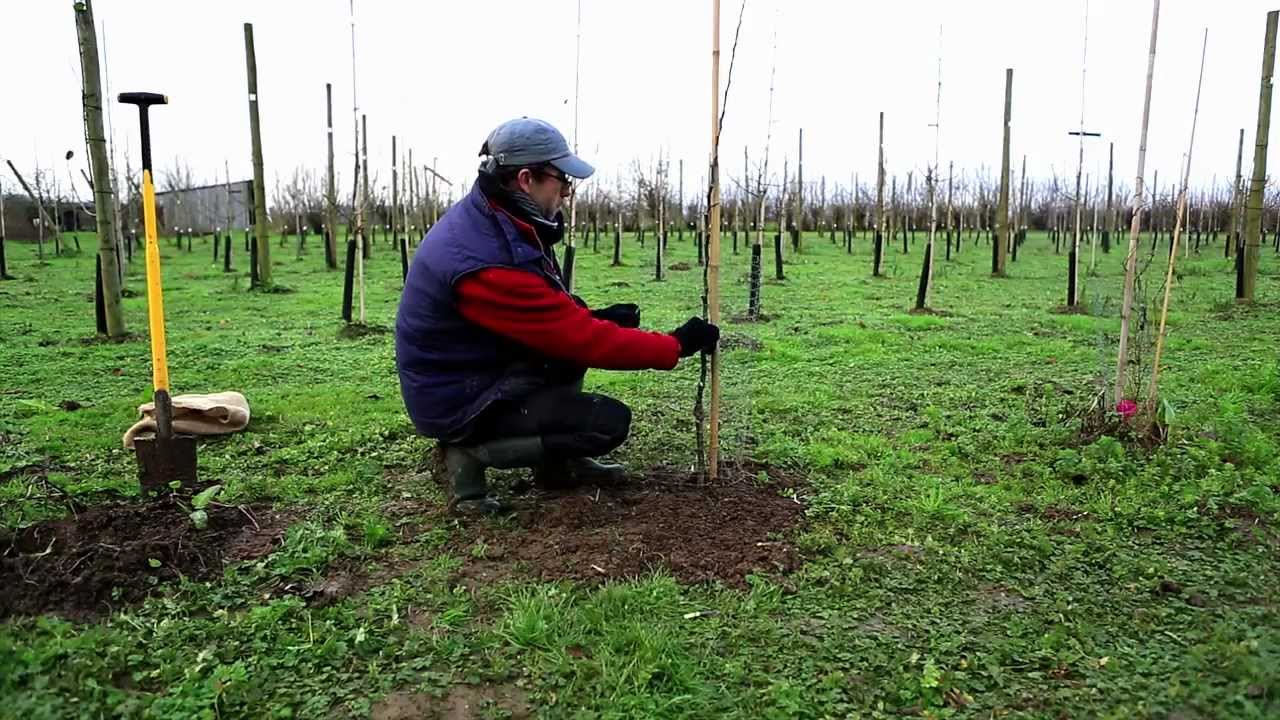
(144,100)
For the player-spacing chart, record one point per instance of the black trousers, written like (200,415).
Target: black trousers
(570,422)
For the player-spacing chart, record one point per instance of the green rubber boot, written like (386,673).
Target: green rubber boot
(464,472)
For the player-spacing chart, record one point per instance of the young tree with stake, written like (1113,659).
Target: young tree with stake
(1131,259)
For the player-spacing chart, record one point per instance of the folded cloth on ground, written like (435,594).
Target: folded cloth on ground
(212,414)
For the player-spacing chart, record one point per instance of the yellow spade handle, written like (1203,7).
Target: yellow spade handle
(155,298)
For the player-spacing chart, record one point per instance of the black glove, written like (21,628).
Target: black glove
(696,335)
(625,315)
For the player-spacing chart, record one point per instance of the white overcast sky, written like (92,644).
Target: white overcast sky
(440,75)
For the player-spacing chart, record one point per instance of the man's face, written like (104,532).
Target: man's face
(547,186)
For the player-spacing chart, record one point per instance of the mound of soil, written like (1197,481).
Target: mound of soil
(83,565)
(698,533)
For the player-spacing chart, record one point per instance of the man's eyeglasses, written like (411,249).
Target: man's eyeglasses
(566,183)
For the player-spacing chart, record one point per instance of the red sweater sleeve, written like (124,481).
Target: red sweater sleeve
(523,307)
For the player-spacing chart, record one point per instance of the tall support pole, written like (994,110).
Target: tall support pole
(401,243)
(800,194)
(364,170)
(951,166)
(713,245)
(259,183)
(878,251)
(1020,215)
(1153,388)
(1073,258)
(680,221)
(931,181)
(1237,198)
(1257,185)
(331,190)
(570,248)
(355,179)
(104,204)
(1109,224)
(1000,244)
(1131,259)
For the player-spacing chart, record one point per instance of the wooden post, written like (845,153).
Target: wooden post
(783,225)
(95,136)
(4,267)
(1131,259)
(878,252)
(951,166)
(1020,215)
(1252,247)
(259,184)
(680,222)
(1109,224)
(358,191)
(999,244)
(1233,238)
(364,176)
(401,243)
(713,245)
(799,226)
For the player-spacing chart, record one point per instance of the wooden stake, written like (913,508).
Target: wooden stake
(95,137)
(1131,260)
(1233,238)
(355,178)
(1000,243)
(1252,246)
(713,245)
(878,252)
(570,243)
(331,192)
(259,183)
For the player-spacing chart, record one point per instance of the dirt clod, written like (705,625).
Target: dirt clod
(697,533)
(82,565)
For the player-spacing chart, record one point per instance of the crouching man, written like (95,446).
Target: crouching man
(491,347)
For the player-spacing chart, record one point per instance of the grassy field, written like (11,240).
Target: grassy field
(967,553)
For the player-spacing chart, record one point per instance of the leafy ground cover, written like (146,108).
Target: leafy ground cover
(912,523)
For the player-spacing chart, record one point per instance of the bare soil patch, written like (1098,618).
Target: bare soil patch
(82,565)
(696,532)
(462,702)
(740,341)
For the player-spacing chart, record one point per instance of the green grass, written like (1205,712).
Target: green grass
(967,555)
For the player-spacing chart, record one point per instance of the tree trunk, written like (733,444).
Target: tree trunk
(998,243)
(1253,209)
(259,184)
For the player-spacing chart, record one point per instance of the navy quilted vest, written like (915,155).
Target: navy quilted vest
(451,369)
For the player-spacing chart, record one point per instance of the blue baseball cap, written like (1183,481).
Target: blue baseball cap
(527,141)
